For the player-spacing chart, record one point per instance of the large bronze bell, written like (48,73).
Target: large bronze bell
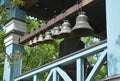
(35,40)
(48,38)
(65,30)
(82,27)
(56,31)
(68,46)
(30,43)
(40,39)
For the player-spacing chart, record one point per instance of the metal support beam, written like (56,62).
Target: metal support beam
(49,75)
(97,66)
(80,69)
(63,74)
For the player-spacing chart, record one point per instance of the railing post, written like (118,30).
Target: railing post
(80,69)
(54,74)
(36,78)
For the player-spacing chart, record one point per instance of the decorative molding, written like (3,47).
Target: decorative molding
(12,39)
(15,24)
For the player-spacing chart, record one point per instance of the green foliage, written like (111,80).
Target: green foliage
(3,19)
(101,73)
(2,51)
(13,58)
(17,3)
(88,41)
(2,46)
(39,55)
(33,23)
(3,16)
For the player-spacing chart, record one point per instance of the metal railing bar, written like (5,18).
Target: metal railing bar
(97,66)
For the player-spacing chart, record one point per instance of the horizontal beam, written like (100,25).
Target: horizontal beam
(69,12)
(66,60)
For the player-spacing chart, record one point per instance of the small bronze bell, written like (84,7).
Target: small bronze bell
(82,27)
(48,38)
(30,43)
(40,39)
(56,31)
(35,41)
(65,30)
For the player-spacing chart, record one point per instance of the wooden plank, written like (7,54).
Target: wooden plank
(72,10)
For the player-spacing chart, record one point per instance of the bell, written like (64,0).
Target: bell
(56,31)
(35,41)
(30,43)
(40,39)
(48,38)
(65,30)
(82,27)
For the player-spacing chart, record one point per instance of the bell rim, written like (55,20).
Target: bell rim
(82,33)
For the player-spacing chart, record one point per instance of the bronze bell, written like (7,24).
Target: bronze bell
(82,27)
(40,39)
(30,43)
(65,30)
(48,38)
(56,31)
(35,40)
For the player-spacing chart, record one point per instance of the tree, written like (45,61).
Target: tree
(2,51)
(3,19)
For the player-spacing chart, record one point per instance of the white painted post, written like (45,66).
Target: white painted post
(54,74)
(80,69)
(36,78)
